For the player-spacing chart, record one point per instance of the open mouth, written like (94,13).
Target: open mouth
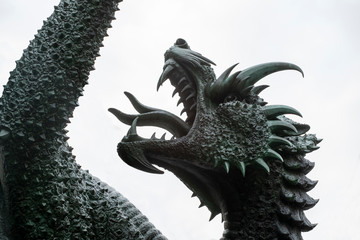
(180,62)
(227,125)
(183,85)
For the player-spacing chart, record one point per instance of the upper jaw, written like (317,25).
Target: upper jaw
(184,84)
(180,68)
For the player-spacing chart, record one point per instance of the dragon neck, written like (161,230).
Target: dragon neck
(269,206)
(48,195)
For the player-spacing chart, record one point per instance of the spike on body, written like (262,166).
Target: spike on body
(233,151)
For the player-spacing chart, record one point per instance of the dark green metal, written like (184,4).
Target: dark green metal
(241,157)
(45,194)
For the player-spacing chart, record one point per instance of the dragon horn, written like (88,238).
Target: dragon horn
(253,74)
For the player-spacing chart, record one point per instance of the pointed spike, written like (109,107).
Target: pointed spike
(190,96)
(258,89)
(227,166)
(263,164)
(123,117)
(272,111)
(242,168)
(137,160)
(230,82)
(272,154)
(193,106)
(163,136)
(180,101)
(275,141)
(186,88)
(226,73)
(132,130)
(193,195)
(182,80)
(241,82)
(220,80)
(245,92)
(262,70)
(201,204)
(182,111)
(174,92)
(141,108)
(164,76)
(212,216)
(277,125)
(153,136)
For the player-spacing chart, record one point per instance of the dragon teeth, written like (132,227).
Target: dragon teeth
(187,87)
(175,91)
(182,80)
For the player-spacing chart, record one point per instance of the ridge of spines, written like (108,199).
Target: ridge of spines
(294,199)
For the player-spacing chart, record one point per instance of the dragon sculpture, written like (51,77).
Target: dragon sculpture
(240,157)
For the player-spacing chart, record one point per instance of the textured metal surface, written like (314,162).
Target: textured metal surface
(48,195)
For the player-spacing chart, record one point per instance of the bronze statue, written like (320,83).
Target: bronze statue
(241,157)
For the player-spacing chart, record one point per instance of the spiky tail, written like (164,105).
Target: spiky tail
(48,195)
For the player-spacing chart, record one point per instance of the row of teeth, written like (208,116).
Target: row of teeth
(187,96)
(132,133)
(153,137)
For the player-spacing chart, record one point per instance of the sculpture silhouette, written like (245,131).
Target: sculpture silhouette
(241,157)
(227,142)
(46,194)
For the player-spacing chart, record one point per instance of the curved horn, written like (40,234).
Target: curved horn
(257,72)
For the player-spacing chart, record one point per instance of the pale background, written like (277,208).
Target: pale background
(321,36)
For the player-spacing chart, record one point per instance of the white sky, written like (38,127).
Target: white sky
(321,36)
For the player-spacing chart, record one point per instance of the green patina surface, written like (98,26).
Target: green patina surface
(241,157)
(47,195)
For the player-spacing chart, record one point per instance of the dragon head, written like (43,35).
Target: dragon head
(230,133)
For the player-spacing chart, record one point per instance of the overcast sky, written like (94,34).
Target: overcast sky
(321,36)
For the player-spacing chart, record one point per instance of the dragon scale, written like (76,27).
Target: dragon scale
(241,157)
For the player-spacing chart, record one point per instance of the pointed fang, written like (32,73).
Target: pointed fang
(212,216)
(137,160)
(164,76)
(174,92)
(180,101)
(153,136)
(163,136)
(132,130)
(227,166)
